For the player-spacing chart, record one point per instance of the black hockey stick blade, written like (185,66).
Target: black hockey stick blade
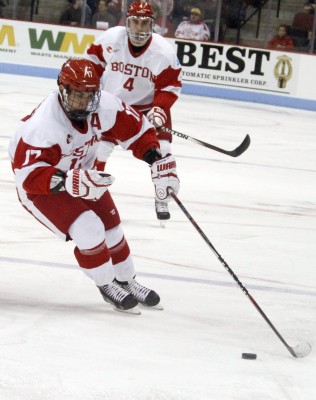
(232,153)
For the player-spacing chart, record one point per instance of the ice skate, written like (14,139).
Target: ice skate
(121,299)
(162,212)
(146,297)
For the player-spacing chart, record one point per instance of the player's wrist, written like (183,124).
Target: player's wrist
(57,182)
(152,155)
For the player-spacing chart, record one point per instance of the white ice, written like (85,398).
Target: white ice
(60,341)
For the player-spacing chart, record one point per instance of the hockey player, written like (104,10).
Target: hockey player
(53,152)
(141,68)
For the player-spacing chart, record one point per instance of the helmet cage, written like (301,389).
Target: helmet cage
(140,38)
(72,107)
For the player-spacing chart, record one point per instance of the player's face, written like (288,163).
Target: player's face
(79,101)
(139,30)
(79,105)
(139,25)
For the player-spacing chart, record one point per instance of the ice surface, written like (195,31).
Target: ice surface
(60,341)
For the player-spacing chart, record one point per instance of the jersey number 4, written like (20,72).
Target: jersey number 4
(129,84)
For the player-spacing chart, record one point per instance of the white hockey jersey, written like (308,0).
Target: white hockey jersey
(47,140)
(149,78)
(188,30)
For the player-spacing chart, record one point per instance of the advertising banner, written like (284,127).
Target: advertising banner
(238,67)
(211,65)
(42,45)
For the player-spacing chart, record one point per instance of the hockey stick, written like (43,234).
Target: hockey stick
(299,351)
(232,153)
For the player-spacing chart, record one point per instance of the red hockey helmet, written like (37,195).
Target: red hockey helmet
(79,76)
(139,23)
(140,9)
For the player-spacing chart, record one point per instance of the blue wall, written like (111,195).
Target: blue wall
(188,88)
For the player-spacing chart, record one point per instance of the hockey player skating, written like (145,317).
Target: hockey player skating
(141,68)
(53,152)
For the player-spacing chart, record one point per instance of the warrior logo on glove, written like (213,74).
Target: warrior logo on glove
(166,166)
(87,184)
(164,177)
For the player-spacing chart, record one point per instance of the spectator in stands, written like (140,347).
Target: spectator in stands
(304,19)
(195,28)
(72,14)
(281,41)
(103,19)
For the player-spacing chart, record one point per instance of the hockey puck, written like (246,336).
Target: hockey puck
(249,356)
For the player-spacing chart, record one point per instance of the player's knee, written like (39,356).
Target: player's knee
(87,231)
(113,236)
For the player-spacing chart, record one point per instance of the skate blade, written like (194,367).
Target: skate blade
(158,307)
(162,223)
(134,311)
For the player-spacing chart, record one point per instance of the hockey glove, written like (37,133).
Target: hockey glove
(164,177)
(87,184)
(157,117)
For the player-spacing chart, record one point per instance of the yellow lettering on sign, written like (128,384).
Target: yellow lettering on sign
(6,31)
(72,39)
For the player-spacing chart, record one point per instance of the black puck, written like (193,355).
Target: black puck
(249,356)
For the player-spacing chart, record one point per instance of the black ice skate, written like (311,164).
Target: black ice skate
(145,296)
(121,299)
(162,212)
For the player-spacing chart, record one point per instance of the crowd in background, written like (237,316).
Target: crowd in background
(193,19)
(182,21)
(298,35)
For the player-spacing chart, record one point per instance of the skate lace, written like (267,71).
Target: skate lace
(138,290)
(161,207)
(115,291)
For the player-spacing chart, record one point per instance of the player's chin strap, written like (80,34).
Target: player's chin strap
(299,351)
(232,153)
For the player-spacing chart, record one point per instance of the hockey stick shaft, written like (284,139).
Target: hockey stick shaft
(296,354)
(232,153)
